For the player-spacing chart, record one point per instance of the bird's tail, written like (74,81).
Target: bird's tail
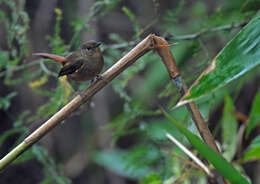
(54,57)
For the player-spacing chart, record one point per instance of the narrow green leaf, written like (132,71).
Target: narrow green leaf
(253,151)
(28,155)
(10,132)
(254,117)
(225,168)
(238,57)
(129,13)
(5,101)
(229,130)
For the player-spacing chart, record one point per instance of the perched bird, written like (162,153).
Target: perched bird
(84,64)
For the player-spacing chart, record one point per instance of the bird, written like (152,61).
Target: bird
(84,64)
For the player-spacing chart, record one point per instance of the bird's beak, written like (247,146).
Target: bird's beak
(98,44)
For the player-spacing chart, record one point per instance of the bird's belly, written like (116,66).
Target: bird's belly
(81,76)
(87,72)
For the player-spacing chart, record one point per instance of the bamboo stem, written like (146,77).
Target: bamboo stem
(143,47)
(170,63)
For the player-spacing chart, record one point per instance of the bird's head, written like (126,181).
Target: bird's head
(91,48)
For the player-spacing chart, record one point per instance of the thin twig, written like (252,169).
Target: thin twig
(21,67)
(188,162)
(199,121)
(148,26)
(46,70)
(181,37)
(191,155)
(207,31)
(121,45)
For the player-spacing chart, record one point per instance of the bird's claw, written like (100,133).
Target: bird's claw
(99,77)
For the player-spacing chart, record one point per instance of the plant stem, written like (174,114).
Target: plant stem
(13,154)
(143,47)
(199,121)
(171,66)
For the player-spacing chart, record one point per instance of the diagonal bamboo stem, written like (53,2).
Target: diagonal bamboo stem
(143,47)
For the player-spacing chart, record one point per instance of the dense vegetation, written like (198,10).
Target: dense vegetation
(119,137)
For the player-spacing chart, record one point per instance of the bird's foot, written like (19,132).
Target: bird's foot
(99,77)
(79,94)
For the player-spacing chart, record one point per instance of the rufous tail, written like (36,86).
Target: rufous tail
(54,57)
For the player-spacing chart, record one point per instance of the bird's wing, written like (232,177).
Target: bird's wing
(71,67)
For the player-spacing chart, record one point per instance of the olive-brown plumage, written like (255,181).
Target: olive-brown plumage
(83,64)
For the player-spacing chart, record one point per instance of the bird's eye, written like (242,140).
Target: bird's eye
(86,47)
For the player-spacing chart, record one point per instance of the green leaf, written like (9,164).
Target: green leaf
(131,16)
(28,155)
(129,13)
(5,101)
(3,59)
(225,168)
(254,117)
(120,162)
(103,7)
(229,130)
(151,179)
(10,132)
(238,57)
(51,169)
(253,151)
(47,181)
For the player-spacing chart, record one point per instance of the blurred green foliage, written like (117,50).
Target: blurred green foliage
(226,169)
(254,116)
(229,130)
(253,151)
(150,160)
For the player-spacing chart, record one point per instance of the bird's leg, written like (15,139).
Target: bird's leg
(92,80)
(98,77)
(79,93)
